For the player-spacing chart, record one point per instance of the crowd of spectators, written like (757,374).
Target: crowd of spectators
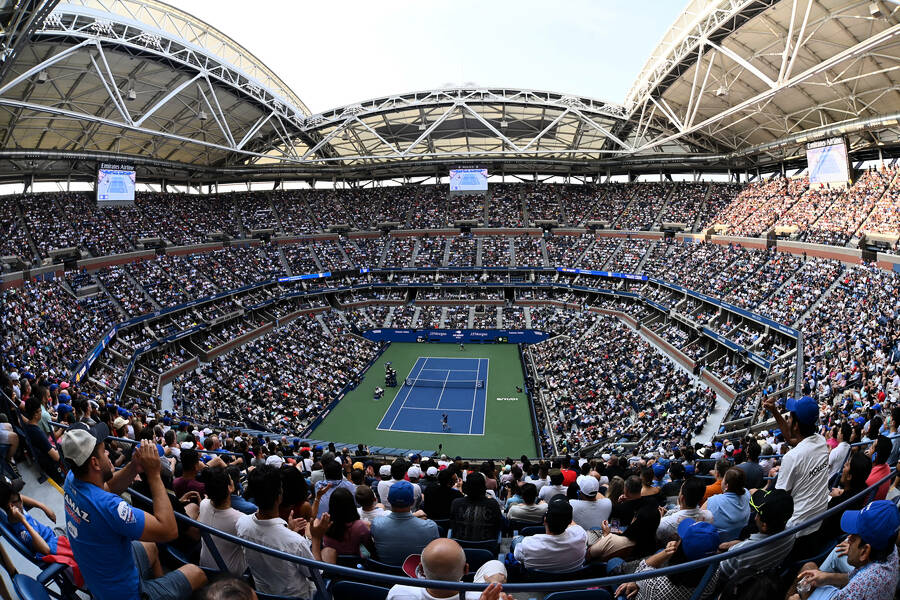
(495,251)
(614,387)
(528,251)
(684,204)
(431,252)
(647,200)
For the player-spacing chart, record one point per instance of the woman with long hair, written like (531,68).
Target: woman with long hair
(637,541)
(347,532)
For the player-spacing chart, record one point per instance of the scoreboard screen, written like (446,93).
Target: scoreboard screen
(468,180)
(115,184)
(827,161)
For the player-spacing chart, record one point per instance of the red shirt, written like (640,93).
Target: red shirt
(879,471)
(569,476)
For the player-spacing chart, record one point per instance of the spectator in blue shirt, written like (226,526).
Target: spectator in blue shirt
(731,508)
(399,534)
(113,542)
(39,538)
(333,477)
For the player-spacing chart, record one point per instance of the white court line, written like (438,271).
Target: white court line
(474,395)
(408,392)
(428,432)
(440,409)
(454,370)
(487,378)
(443,387)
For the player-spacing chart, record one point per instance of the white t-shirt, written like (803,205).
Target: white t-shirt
(533,513)
(369,515)
(555,553)
(223,520)
(548,491)
(271,575)
(804,474)
(408,592)
(591,514)
(836,458)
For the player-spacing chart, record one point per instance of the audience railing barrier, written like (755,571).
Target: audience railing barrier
(316,567)
(710,562)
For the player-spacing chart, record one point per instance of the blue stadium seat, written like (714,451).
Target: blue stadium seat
(380,567)
(29,589)
(475,557)
(597,594)
(353,590)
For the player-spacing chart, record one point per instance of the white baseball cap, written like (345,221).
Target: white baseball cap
(414,472)
(432,471)
(588,485)
(384,470)
(275,461)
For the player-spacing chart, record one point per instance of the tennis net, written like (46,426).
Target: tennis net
(470,384)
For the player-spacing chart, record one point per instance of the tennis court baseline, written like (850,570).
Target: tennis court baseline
(455,387)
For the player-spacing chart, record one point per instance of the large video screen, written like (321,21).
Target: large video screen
(468,180)
(115,184)
(827,161)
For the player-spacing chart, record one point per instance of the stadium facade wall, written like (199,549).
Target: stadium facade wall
(746,242)
(196,249)
(460,302)
(888,262)
(405,233)
(300,239)
(635,235)
(100,262)
(483,231)
(847,255)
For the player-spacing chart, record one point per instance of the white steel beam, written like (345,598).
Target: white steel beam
(165,99)
(860,48)
(43,65)
(743,62)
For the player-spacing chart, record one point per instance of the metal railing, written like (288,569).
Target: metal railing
(317,568)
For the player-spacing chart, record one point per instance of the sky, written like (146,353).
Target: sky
(341,52)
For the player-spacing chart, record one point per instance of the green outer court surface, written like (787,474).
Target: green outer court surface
(507,431)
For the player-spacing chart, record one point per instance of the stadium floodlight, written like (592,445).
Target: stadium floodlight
(42,77)
(504,124)
(202,115)
(131,95)
(423,126)
(722,92)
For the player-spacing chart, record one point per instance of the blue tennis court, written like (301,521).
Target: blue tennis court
(435,387)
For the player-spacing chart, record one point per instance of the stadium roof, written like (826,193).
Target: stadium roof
(733,84)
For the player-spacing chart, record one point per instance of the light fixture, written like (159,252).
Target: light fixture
(42,77)
(131,95)
(722,92)
(202,115)
(875,10)
(504,124)
(422,127)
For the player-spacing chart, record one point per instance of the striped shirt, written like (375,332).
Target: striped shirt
(761,559)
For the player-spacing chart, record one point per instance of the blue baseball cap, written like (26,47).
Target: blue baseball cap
(877,524)
(63,408)
(718,444)
(689,469)
(401,494)
(698,538)
(806,409)
(659,470)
